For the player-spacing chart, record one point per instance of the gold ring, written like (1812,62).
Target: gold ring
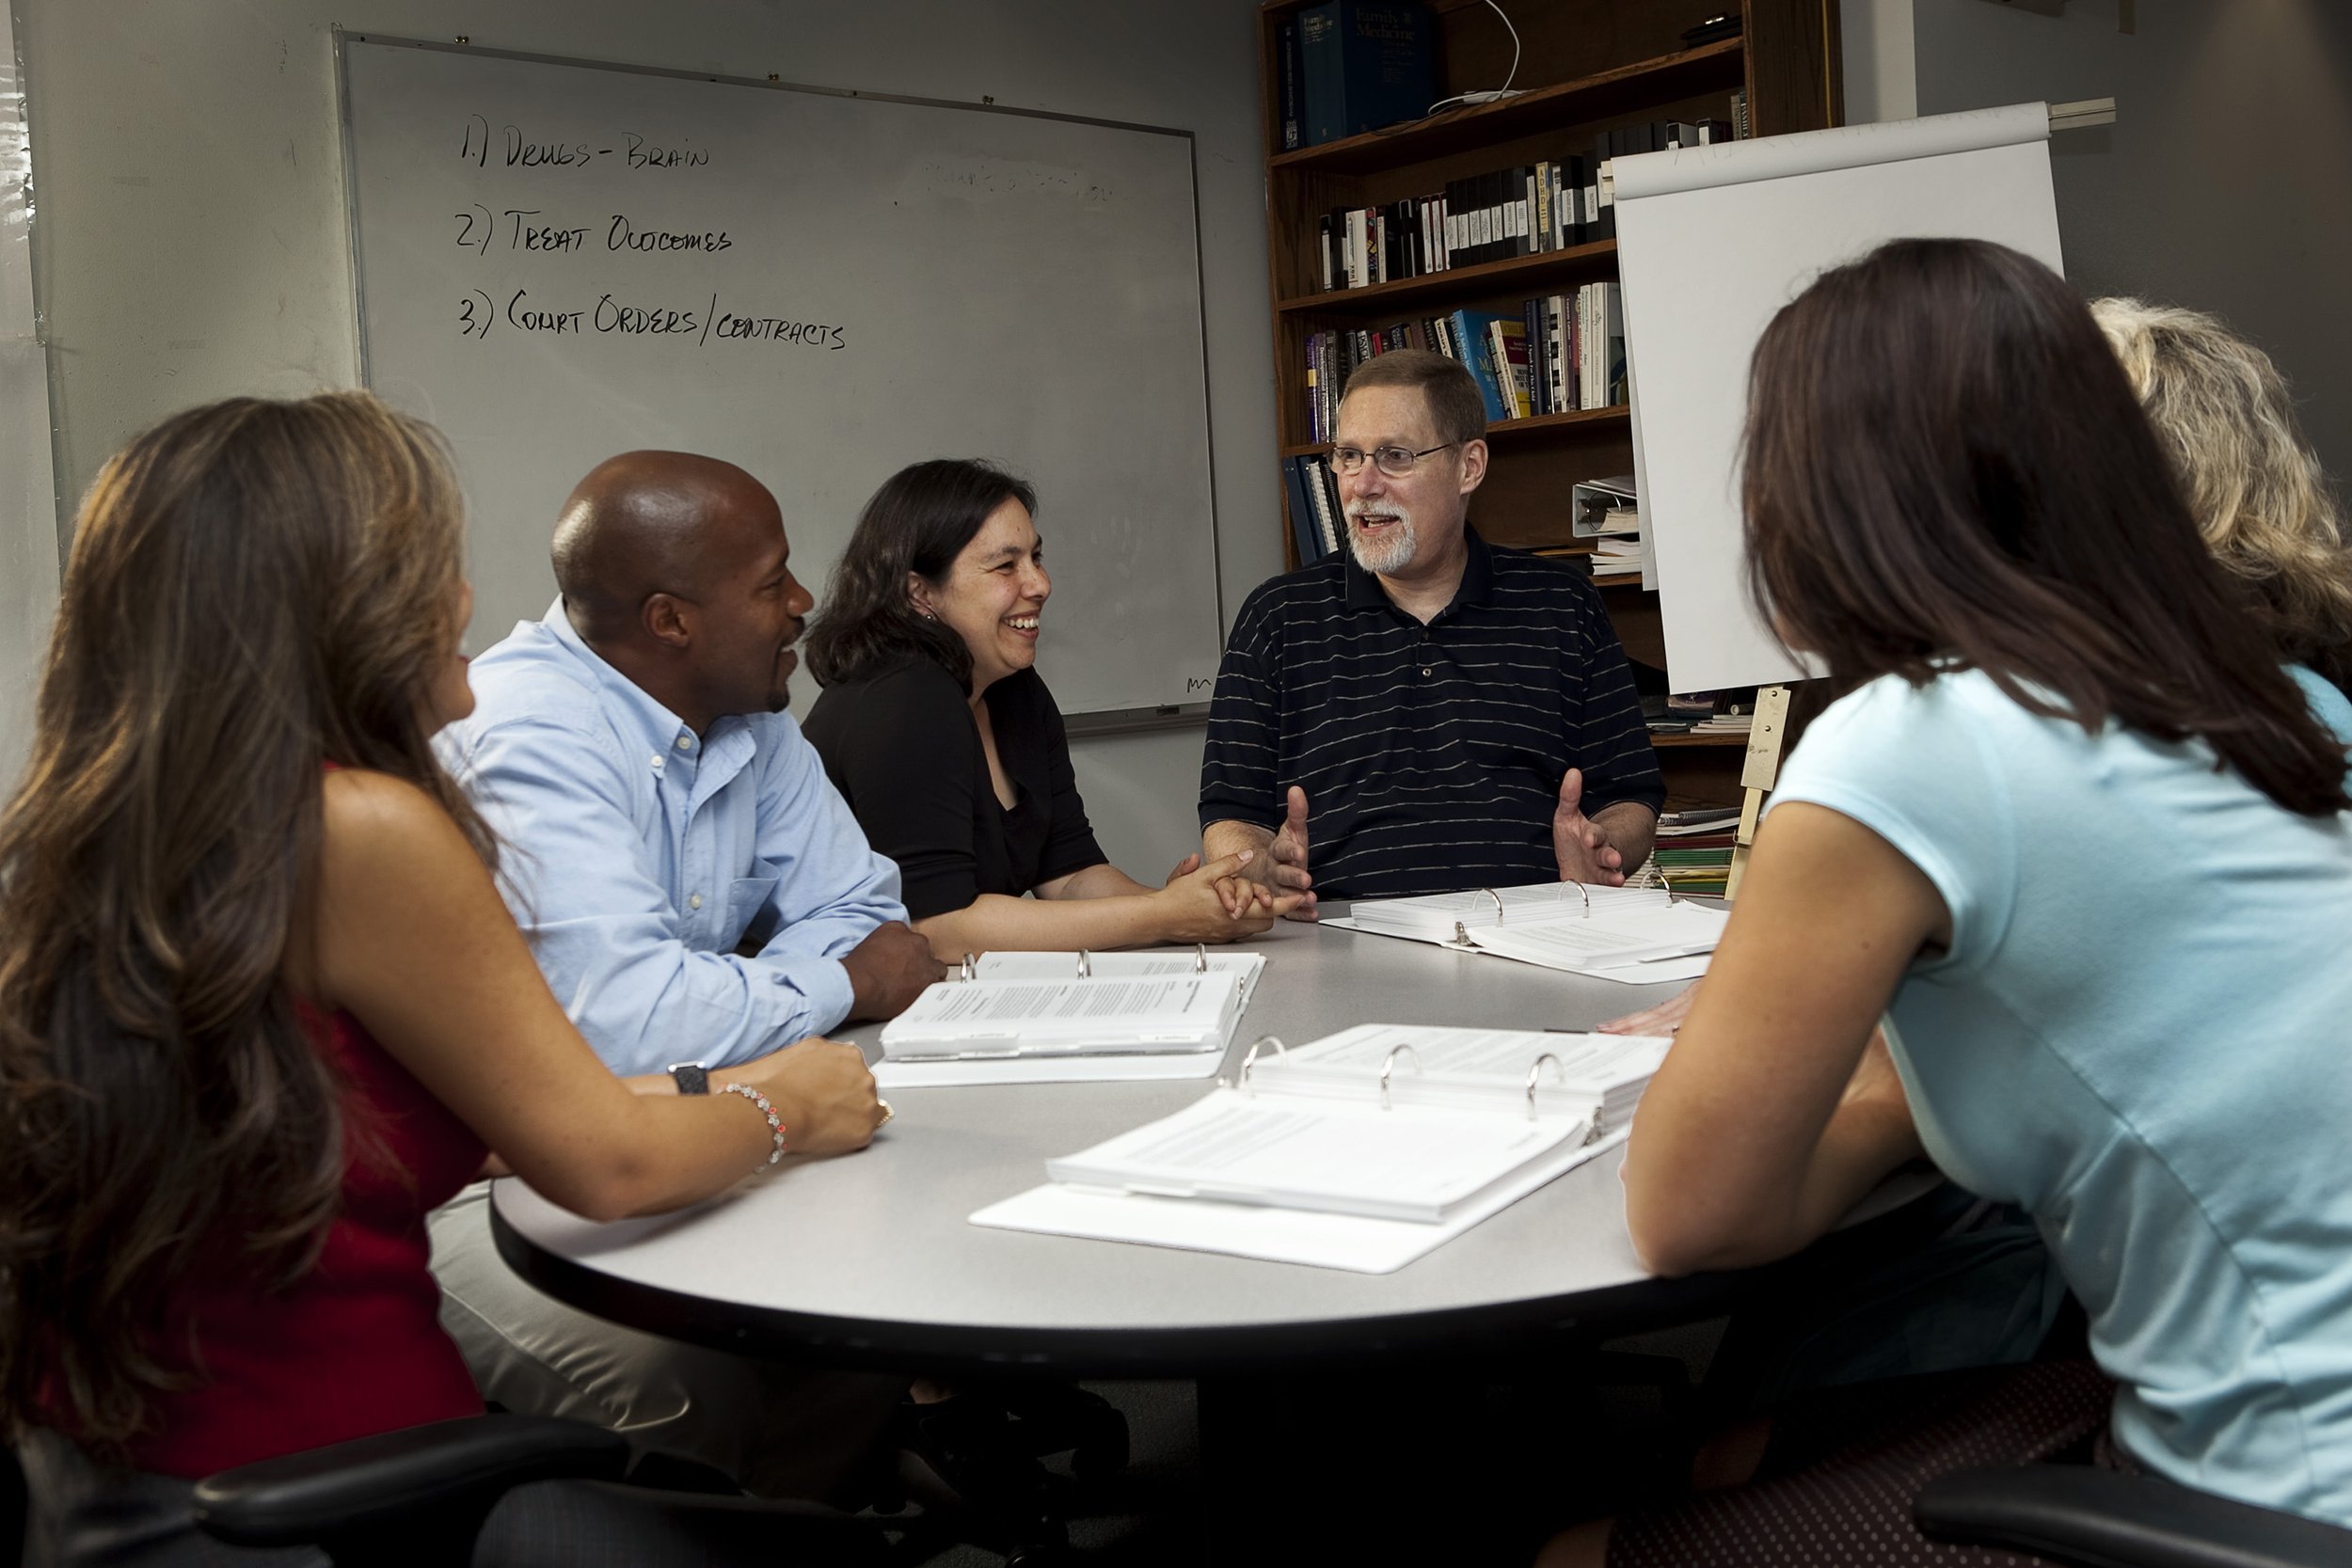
(887,1113)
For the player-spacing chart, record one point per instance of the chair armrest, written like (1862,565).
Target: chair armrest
(2091,1518)
(390,1478)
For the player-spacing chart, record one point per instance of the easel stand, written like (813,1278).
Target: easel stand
(1756,775)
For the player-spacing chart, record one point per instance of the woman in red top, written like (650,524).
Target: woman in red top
(261,1004)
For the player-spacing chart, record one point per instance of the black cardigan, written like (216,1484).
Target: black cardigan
(901,747)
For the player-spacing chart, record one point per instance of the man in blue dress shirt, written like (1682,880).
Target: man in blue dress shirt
(695,891)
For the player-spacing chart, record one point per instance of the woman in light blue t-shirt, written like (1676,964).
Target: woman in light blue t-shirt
(2080,839)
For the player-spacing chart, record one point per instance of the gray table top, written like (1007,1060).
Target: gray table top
(871,1257)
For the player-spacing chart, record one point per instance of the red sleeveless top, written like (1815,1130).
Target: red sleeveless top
(355,1346)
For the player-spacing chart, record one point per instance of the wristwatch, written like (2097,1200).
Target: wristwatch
(691,1077)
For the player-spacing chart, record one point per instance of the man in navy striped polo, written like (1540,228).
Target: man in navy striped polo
(1424,710)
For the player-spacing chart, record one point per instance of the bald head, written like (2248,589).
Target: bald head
(676,570)
(656,522)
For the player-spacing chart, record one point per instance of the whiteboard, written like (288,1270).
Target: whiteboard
(558,261)
(1711,242)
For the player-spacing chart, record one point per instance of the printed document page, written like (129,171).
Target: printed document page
(1349,1242)
(1124,966)
(981,1017)
(1608,942)
(1409,1162)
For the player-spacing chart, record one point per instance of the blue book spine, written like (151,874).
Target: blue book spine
(1322,74)
(1469,331)
(1293,88)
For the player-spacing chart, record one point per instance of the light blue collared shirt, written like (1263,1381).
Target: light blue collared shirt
(640,857)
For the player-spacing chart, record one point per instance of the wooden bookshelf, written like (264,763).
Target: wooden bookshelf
(1585,65)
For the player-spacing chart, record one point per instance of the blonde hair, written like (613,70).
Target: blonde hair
(2258,493)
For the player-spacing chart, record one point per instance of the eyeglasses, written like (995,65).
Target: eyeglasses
(1395,462)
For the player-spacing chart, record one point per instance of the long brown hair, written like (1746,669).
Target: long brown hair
(255,588)
(1945,468)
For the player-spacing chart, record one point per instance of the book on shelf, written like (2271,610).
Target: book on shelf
(1506,351)
(1304,539)
(1655,135)
(1314,497)
(1522,210)
(1103,1016)
(1570,360)
(1363,64)
(1361,1151)
(1617,558)
(1692,854)
(1292,86)
(1699,871)
(1698,822)
(1469,329)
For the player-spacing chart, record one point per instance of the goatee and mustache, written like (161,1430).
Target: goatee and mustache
(1391,549)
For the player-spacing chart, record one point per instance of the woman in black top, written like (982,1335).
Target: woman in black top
(937,730)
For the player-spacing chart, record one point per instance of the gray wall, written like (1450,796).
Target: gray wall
(190,233)
(2225,184)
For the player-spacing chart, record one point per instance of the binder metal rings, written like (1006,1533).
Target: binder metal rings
(1388,1065)
(1497,898)
(1586,893)
(1250,1060)
(1086,965)
(1536,1070)
(969,968)
(1200,957)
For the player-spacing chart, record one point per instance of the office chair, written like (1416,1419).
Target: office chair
(2090,1518)
(421,1495)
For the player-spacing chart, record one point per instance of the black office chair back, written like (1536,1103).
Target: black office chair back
(2092,1518)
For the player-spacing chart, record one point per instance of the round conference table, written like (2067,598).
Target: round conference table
(869,1260)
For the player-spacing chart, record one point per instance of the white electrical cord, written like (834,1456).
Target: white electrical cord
(1494,95)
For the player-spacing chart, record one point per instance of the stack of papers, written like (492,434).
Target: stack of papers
(1635,935)
(1032,1018)
(1362,1151)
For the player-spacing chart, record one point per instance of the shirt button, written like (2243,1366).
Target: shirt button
(1424,670)
(686,743)
(695,902)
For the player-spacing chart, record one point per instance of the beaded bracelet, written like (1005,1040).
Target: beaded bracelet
(775,1122)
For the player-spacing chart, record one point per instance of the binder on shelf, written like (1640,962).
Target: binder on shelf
(1361,1151)
(1603,506)
(1304,537)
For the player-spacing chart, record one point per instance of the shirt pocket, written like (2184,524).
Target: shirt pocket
(750,922)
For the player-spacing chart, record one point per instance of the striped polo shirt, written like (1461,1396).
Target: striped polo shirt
(1432,754)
